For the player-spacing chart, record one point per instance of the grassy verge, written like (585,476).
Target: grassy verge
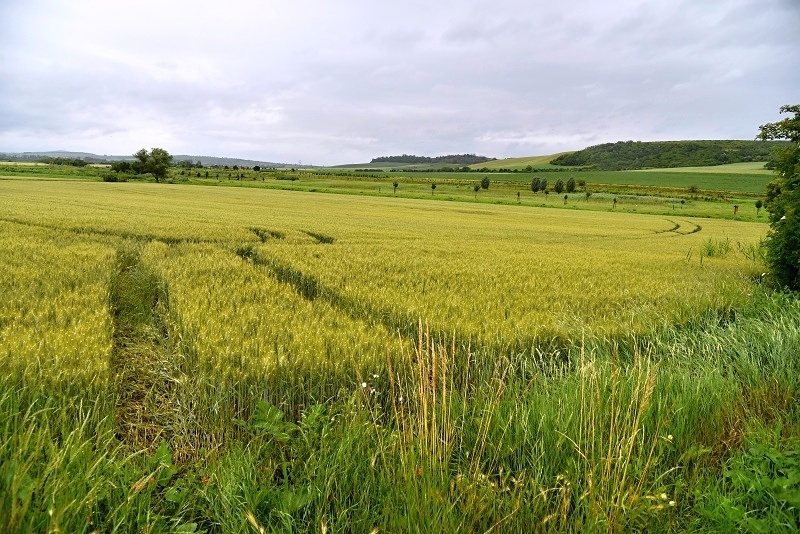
(665,433)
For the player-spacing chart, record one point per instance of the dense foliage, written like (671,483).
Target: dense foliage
(625,155)
(51,160)
(454,159)
(783,201)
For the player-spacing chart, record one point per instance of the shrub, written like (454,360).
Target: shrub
(783,202)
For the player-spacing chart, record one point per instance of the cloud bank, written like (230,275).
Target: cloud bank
(338,82)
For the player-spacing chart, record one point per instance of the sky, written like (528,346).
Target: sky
(331,82)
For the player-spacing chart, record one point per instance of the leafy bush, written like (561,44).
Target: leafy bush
(761,493)
(783,202)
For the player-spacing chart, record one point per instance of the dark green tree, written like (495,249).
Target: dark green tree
(759,205)
(536,184)
(543,185)
(559,187)
(485,182)
(783,201)
(476,188)
(433,188)
(571,185)
(157,162)
(121,166)
(394,185)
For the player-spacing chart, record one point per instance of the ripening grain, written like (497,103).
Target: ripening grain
(54,316)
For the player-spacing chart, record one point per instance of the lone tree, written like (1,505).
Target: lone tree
(433,188)
(485,182)
(783,201)
(395,184)
(156,162)
(476,188)
(759,205)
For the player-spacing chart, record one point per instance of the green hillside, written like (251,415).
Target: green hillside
(629,155)
(518,163)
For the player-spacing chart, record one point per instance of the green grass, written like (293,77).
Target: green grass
(731,182)
(753,167)
(639,434)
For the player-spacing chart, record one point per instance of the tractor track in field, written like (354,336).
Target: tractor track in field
(139,350)
(132,236)
(154,388)
(677,229)
(407,326)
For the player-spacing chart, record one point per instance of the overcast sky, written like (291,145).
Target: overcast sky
(329,82)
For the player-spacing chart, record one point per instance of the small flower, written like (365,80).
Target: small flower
(664,497)
(669,438)
(400,399)
(672,503)
(363,384)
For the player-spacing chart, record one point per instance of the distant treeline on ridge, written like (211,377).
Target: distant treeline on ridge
(627,155)
(455,159)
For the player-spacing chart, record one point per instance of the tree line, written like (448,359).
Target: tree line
(629,155)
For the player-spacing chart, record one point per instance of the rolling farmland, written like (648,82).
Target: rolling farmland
(254,358)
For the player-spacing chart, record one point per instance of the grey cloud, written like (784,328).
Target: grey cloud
(343,82)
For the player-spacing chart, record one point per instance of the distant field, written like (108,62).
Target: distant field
(752,167)
(718,180)
(518,163)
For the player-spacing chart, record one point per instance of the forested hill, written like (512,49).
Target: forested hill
(626,155)
(455,159)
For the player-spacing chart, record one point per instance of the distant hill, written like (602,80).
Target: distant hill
(451,159)
(95,158)
(628,155)
(536,162)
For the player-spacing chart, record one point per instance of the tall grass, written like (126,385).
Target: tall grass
(610,436)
